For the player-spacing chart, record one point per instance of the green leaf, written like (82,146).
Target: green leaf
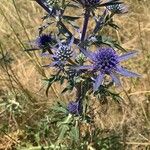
(52,146)
(63,131)
(59,109)
(74,24)
(53,79)
(67,120)
(114,26)
(68,88)
(74,133)
(75,5)
(120,47)
(71,18)
(62,79)
(50,81)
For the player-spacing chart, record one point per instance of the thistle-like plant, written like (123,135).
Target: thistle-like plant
(106,61)
(70,48)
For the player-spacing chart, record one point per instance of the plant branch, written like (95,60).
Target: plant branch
(80,88)
(76,41)
(85,24)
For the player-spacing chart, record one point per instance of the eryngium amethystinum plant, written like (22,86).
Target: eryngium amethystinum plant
(82,58)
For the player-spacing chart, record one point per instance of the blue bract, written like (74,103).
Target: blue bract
(73,107)
(106,61)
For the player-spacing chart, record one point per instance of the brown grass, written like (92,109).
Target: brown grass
(131,120)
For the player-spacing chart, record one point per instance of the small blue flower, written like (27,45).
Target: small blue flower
(74,108)
(117,8)
(43,41)
(62,52)
(106,61)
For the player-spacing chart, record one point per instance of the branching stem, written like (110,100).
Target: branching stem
(85,24)
(80,89)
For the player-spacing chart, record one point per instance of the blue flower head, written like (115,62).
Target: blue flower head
(62,52)
(106,61)
(43,41)
(74,108)
(118,8)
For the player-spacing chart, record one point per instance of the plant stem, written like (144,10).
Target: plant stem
(76,41)
(85,24)
(100,24)
(80,88)
(43,6)
(40,2)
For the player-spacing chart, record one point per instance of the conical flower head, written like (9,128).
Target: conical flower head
(106,60)
(118,8)
(63,52)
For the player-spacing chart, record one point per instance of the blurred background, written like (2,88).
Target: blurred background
(22,89)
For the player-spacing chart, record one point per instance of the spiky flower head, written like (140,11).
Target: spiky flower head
(43,40)
(118,8)
(74,108)
(107,61)
(63,52)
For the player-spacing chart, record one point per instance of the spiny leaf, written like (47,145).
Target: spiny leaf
(59,109)
(50,81)
(71,18)
(114,26)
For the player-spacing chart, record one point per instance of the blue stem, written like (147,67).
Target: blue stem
(86,20)
(80,94)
